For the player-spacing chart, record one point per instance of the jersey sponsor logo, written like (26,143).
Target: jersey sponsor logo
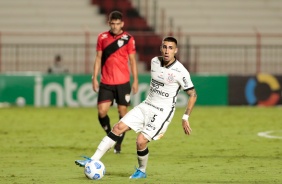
(159,108)
(104,36)
(150,127)
(159,92)
(156,83)
(185,82)
(156,61)
(161,76)
(155,87)
(176,69)
(124,37)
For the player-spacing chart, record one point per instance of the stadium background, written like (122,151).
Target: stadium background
(231,48)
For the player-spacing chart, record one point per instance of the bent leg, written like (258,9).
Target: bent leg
(142,152)
(120,128)
(109,140)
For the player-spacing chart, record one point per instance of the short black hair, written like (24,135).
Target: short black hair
(170,39)
(115,15)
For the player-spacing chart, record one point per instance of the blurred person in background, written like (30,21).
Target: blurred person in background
(57,66)
(114,49)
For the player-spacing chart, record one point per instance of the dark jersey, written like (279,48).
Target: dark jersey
(115,50)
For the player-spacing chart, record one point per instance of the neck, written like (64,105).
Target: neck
(167,63)
(113,34)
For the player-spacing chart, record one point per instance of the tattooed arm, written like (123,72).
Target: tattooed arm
(191,102)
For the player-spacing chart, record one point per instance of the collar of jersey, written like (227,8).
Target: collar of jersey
(168,66)
(112,34)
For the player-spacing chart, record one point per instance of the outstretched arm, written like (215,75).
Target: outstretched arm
(191,102)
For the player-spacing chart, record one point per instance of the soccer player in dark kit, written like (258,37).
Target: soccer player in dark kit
(114,49)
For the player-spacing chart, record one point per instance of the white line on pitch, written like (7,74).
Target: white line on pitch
(267,134)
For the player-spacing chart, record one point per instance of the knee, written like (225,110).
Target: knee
(119,128)
(102,112)
(116,130)
(141,142)
(122,110)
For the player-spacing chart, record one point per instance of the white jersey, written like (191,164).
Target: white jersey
(154,114)
(166,82)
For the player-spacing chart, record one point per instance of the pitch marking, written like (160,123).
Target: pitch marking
(267,134)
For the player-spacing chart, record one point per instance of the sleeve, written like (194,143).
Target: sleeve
(99,43)
(131,49)
(185,80)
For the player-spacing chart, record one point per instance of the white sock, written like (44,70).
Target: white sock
(103,147)
(142,161)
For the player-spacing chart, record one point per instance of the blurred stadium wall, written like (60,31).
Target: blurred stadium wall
(220,37)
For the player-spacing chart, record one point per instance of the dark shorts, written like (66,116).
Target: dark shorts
(120,93)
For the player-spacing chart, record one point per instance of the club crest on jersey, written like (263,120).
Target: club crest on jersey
(170,78)
(120,43)
(127,97)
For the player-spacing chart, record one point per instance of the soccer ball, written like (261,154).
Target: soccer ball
(94,170)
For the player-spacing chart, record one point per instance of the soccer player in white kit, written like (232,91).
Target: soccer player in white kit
(150,119)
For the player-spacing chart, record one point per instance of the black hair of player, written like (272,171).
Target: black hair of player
(115,15)
(170,39)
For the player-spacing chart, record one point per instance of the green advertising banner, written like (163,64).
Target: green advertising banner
(42,90)
(211,89)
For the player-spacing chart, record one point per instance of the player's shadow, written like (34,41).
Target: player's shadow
(118,174)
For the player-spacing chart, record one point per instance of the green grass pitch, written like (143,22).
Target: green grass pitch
(39,145)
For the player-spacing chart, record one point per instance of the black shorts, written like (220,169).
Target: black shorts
(120,93)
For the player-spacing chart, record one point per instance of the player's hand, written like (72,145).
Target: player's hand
(186,127)
(135,87)
(95,85)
